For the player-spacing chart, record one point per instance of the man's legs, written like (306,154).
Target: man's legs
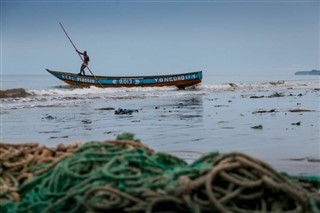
(82,69)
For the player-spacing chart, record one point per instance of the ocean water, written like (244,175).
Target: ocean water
(45,81)
(218,115)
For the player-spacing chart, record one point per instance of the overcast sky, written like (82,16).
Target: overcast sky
(161,37)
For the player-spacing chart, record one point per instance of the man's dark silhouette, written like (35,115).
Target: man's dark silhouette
(86,60)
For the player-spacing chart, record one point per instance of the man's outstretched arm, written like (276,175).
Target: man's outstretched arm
(79,52)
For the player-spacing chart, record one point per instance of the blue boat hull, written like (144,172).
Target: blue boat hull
(179,80)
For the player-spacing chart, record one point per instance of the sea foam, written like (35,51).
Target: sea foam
(66,95)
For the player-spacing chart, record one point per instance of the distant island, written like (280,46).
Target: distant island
(312,72)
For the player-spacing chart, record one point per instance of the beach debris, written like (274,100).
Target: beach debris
(86,121)
(55,137)
(49,117)
(297,123)
(121,111)
(14,93)
(221,106)
(222,122)
(296,159)
(274,95)
(106,108)
(232,85)
(299,95)
(254,96)
(308,159)
(277,83)
(211,99)
(264,111)
(46,132)
(257,127)
(227,127)
(313,160)
(301,110)
(125,136)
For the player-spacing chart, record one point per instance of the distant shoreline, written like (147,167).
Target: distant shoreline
(312,72)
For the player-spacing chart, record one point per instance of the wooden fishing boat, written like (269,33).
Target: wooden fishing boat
(179,80)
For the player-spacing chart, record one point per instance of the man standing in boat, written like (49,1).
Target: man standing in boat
(86,60)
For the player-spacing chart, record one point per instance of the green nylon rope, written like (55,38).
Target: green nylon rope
(108,177)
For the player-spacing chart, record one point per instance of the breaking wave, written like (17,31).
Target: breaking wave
(68,96)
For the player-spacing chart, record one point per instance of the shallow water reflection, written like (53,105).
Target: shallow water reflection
(182,122)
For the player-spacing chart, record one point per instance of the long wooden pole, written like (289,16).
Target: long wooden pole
(74,46)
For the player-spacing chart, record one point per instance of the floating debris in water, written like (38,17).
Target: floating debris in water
(86,121)
(301,110)
(55,137)
(297,124)
(49,117)
(277,83)
(125,136)
(274,95)
(254,96)
(14,93)
(136,121)
(106,108)
(221,106)
(121,111)
(46,132)
(264,111)
(257,127)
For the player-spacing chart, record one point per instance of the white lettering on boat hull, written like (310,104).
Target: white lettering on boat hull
(78,79)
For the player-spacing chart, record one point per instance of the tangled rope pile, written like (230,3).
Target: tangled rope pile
(21,162)
(127,176)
